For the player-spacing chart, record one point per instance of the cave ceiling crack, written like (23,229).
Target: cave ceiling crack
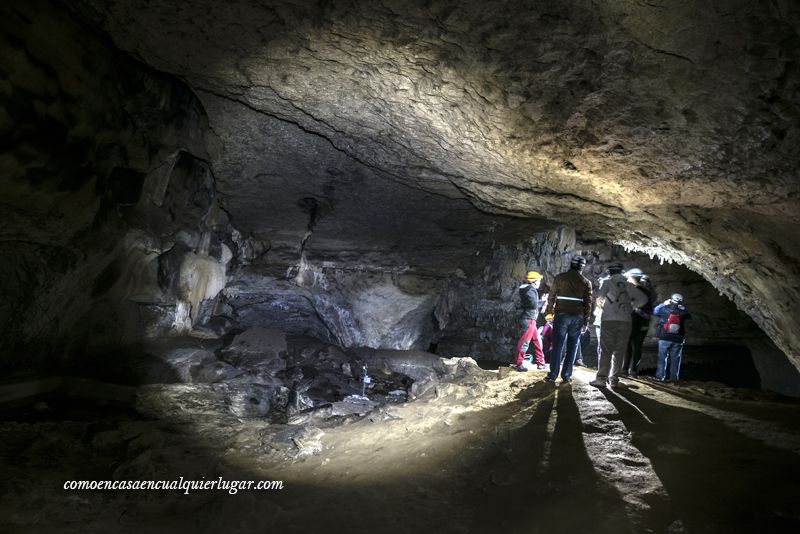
(550,193)
(663,52)
(375,168)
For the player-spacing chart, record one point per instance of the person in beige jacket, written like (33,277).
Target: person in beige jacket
(617,299)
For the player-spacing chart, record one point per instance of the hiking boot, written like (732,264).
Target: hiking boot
(541,366)
(566,381)
(634,373)
(579,363)
(615,384)
(521,368)
(549,380)
(598,383)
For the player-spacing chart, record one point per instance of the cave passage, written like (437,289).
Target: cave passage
(284,240)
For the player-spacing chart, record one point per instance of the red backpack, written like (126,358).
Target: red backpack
(673,323)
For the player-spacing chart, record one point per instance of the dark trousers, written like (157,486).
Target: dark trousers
(633,355)
(566,331)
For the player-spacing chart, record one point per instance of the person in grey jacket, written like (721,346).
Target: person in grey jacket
(617,299)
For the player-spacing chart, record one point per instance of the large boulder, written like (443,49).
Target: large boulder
(190,403)
(258,350)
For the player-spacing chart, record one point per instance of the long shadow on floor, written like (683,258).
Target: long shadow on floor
(780,410)
(719,481)
(555,487)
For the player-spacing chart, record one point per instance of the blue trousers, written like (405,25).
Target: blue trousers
(671,350)
(566,330)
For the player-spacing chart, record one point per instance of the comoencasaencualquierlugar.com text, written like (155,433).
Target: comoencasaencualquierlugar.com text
(231,486)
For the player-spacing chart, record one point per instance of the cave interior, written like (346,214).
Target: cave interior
(218,219)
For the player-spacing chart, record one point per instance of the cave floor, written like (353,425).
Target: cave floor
(512,454)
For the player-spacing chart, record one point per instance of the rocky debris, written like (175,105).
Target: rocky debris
(296,441)
(414,371)
(323,383)
(259,341)
(417,365)
(258,350)
(308,351)
(213,371)
(312,381)
(191,403)
(462,370)
(197,365)
(353,404)
(291,401)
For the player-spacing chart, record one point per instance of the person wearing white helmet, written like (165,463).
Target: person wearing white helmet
(529,299)
(616,299)
(640,322)
(672,315)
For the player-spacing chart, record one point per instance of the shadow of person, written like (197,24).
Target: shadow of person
(718,480)
(555,487)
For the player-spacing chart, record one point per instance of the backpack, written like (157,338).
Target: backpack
(618,296)
(673,323)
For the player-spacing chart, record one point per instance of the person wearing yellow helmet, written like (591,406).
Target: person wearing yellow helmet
(529,299)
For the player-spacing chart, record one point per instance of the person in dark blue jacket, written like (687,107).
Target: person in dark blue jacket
(672,315)
(529,300)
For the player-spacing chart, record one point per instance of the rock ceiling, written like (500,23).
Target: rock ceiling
(669,129)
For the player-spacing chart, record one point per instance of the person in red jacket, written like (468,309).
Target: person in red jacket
(529,298)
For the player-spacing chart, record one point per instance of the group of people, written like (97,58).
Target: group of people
(621,315)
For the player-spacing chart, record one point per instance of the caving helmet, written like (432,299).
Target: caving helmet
(577,261)
(533,276)
(634,273)
(677,298)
